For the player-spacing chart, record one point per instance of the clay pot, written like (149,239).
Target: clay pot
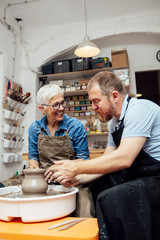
(34,183)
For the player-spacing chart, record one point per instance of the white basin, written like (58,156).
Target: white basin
(39,208)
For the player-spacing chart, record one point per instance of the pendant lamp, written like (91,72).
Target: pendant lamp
(86,48)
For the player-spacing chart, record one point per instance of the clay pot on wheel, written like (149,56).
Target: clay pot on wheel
(34,183)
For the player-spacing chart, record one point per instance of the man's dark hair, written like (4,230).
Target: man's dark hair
(107,82)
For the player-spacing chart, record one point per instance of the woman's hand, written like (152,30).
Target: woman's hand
(68,184)
(33,164)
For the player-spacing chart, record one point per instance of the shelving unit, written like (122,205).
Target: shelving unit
(80,111)
(79,74)
(12,131)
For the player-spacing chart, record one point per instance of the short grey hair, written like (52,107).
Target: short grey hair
(46,92)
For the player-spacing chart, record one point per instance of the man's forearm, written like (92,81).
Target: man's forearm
(86,178)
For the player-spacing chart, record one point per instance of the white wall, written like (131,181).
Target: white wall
(19,72)
(139,34)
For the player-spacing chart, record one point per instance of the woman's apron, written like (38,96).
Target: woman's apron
(128,208)
(54,148)
(51,148)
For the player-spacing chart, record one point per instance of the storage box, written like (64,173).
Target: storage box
(48,69)
(80,64)
(62,66)
(119,58)
(100,62)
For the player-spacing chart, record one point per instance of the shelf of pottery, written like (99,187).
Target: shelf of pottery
(13,114)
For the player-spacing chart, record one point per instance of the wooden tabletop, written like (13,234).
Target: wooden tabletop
(17,230)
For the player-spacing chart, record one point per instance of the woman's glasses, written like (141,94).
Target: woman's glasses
(57,105)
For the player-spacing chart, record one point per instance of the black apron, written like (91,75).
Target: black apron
(128,204)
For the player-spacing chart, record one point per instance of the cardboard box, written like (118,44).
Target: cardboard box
(119,58)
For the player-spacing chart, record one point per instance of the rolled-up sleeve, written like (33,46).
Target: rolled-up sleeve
(80,143)
(33,134)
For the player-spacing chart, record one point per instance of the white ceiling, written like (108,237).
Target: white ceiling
(36,13)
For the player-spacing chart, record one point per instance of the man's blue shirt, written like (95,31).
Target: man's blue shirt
(74,128)
(142,119)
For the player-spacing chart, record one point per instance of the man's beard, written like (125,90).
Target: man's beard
(105,116)
(104,119)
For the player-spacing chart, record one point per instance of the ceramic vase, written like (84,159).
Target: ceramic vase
(34,183)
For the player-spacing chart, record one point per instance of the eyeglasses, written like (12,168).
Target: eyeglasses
(57,105)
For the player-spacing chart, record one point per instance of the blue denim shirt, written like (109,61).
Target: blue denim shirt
(75,130)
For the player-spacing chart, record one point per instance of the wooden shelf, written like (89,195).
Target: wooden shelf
(76,111)
(78,74)
(81,105)
(76,92)
(85,117)
(97,134)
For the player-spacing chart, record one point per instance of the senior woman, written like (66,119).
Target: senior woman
(56,136)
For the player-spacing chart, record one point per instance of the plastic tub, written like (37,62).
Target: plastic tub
(37,209)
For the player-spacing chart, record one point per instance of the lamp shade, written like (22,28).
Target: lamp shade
(87,49)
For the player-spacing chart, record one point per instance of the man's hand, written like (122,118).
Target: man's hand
(33,164)
(62,171)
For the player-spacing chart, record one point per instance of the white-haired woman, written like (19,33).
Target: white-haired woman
(56,136)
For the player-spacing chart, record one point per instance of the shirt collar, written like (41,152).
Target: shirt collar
(124,106)
(62,125)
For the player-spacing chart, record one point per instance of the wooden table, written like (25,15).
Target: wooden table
(17,230)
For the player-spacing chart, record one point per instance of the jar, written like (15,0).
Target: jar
(76,102)
(82,102)
(83,108)
(71,114)
(81,97)
(75,84)
(84,86)
(88,102)
(71,102)
(34,183)
(76,114)
(68,88)
(81,114)
(73,87)
(74,98)
(77,108)
(87,113)
(89,107)
(78,87)
(71,108)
